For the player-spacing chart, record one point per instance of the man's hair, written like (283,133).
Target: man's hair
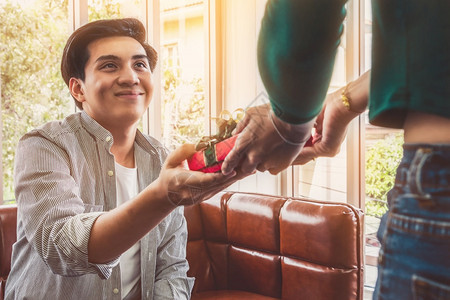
(76,54)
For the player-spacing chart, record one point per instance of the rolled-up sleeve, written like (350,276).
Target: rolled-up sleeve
(55,220)
(171,280)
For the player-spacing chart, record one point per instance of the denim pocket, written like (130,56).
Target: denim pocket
(427,289)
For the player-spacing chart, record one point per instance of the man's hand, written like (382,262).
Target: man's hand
(265,142)
(184,187)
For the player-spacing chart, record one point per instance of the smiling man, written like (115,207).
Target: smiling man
(99,203)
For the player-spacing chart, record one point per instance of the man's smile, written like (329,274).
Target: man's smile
(129,94)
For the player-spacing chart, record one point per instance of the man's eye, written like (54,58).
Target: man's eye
(141,65)
(108,66)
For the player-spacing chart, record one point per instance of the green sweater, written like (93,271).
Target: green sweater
(410,57)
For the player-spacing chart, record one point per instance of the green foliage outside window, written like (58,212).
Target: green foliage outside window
(33,92)
(101,9)
(382,160)
(183,108)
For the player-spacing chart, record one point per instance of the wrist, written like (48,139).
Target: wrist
(295,134)
(340,114)
(158,190)
(354,96)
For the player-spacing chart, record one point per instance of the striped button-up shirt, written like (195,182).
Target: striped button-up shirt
(64,179)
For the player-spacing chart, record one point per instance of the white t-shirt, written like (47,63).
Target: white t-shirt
(127,188)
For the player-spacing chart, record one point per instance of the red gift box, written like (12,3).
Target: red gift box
(210,159)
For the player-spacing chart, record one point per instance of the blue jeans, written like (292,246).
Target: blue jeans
(414,261)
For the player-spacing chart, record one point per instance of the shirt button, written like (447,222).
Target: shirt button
(110,173)
(108,138)
(116,291)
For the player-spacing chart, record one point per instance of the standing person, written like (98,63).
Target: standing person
(99,211)
(409,89)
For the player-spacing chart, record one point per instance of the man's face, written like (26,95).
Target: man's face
(118,86)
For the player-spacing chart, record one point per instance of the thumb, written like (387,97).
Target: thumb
(234,156)
(179,155)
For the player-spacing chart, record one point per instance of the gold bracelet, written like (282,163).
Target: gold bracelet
(345,100)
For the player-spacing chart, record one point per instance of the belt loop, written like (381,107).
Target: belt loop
(415,171)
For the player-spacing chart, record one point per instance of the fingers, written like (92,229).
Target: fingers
(277,165)
(230,162)
(252,161)
(257,138)
(306,155)
(205,180)
(208,194)
(275,171)
(208,178)
(242,142)
(189,187)
(179,155)
(261,167)
(235,155)
(242,124)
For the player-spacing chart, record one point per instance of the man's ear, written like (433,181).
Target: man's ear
(76,89)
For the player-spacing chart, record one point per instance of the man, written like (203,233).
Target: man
(99,213)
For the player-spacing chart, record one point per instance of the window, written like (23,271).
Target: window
(183,59)
(237,80)
(171,58)
(383,151)
(326,178)
(32,37)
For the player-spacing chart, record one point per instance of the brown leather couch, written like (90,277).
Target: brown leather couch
(253,246)
(8,224)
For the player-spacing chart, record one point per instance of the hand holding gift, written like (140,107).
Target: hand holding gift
(265,142)
(212,150)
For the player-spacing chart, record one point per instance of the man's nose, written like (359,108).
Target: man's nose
(128,76)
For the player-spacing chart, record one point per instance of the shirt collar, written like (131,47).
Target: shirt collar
(146,142)
(94,128)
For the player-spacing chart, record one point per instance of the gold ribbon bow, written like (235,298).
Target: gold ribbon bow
(226,123)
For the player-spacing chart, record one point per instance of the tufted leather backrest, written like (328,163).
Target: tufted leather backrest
(289,248)
(8,236)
